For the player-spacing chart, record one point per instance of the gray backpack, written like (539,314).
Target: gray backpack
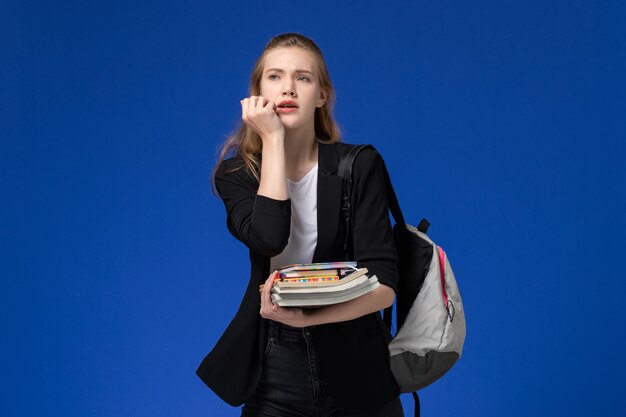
(429,316)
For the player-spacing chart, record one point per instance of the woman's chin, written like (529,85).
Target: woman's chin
(290,126)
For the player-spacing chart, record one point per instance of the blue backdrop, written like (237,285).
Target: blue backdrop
(502,122)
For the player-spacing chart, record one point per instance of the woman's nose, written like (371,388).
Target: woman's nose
(288,89)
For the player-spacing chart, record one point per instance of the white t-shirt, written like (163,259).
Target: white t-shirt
(303,233)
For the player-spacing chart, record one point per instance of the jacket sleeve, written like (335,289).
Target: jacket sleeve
(374,246)
(261,223)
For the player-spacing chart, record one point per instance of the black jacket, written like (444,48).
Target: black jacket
(353,354)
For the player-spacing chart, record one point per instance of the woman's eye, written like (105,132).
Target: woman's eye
(275,75)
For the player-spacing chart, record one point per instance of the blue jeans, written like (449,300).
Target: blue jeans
(291,384)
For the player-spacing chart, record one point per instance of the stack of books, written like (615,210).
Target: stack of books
(319,284)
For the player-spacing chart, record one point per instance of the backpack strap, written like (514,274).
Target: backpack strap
(345,171)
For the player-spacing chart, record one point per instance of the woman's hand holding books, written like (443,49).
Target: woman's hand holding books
(291,316)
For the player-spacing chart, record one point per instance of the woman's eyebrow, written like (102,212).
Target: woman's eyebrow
(282,71)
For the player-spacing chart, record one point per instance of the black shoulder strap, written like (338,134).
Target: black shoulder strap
(345,171)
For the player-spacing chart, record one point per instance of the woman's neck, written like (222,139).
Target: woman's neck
(300,150)
(300,155)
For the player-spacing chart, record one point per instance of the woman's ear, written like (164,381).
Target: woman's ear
(322,98)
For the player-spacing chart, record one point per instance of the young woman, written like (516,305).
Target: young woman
(283,201)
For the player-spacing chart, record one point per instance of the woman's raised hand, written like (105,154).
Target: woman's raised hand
(259,113)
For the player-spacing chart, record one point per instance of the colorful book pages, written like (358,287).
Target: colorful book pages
(314,273)
(334,283)
(320,289)
(330,278)
(318,278)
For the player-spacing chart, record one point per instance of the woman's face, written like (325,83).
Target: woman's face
(291,74)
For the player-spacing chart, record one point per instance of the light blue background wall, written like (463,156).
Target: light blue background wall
(501,122)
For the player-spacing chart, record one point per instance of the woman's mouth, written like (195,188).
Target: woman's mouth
(286,109)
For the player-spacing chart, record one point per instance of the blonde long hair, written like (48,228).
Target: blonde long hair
(245,142)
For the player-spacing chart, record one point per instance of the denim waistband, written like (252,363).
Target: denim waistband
(283,331)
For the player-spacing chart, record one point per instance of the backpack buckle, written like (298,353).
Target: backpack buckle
(345,208)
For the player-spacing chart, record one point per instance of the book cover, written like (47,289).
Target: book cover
(318,265)
(314,286)
(314,272)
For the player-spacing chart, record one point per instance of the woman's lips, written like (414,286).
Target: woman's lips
(286,109)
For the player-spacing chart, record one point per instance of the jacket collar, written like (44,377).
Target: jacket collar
(327,158)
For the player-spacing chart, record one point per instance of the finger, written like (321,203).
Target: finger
(263,305)
(270,106)
(248,102)
(268,283)
(266,308)
(268,287)
(260,103)
(244,107)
